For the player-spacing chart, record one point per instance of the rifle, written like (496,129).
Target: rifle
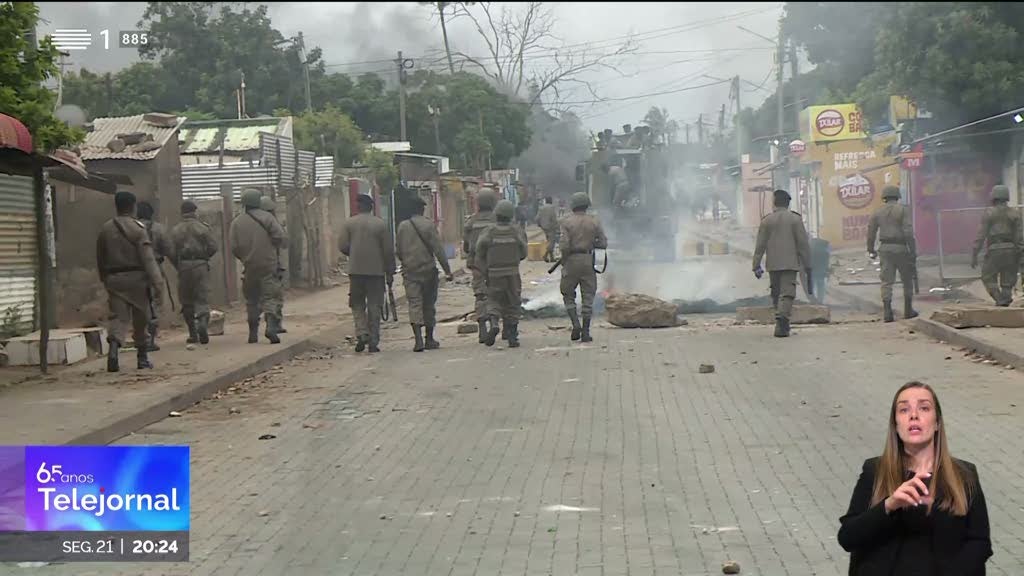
(167,283)
(556,265)
(392,303)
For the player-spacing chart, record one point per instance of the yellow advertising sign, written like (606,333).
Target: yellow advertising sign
(835,122)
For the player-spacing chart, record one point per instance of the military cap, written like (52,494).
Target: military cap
(188,207)
(486,200)
(1000,192)
(891,192)
(267,203)
(505,210)
(579,200)
(251,197)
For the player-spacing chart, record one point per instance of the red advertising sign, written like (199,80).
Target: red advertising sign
(856,191)
(912,160)
(830,122)
(797,147)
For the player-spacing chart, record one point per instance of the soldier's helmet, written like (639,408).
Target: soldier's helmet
(890,192)
(251,198)
(1001,193)
(266,203)
(579,200)
(505,210)
(486,200)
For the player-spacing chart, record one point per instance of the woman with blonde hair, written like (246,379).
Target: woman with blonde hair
(916,510)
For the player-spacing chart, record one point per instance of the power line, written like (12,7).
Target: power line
(645,95)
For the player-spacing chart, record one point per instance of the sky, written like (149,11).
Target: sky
(678,44)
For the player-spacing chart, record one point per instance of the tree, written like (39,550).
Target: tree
(23,69)
(660,124)
(382,164)
(960,60)
(477,125)
(330,132)
(517,37)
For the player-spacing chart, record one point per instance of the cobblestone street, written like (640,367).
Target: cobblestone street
(616,457)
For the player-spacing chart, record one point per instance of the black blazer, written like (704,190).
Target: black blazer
(960,544)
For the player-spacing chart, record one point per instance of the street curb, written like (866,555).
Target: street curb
(122,425)
(955,337)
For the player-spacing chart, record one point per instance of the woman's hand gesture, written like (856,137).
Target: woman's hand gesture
(913,492)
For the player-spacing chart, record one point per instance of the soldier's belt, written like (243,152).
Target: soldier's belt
(121,269)
(895,242)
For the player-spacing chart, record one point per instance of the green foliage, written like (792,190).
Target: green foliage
(22,71)
(329,132)
(382,164)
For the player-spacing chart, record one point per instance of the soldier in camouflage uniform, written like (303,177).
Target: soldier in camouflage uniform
(498,253)
(371,264)
(783,237)
(194,245)
(129,272)
(419,246)
(267,203)
(256,240)
(475,225)
(1000,232)
(162,250)
(892,224)
(581,234)
(547,219)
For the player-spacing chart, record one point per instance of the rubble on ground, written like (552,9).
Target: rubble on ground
(980,316)
(641,311)
(801,314)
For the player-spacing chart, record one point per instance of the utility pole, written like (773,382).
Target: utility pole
(700,129)
(688,133)
(721,122)
(739,123)
(780,58)
(795,73)
(435,112)
(403,64)
(305,68)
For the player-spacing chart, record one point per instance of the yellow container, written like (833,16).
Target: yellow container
(535,251)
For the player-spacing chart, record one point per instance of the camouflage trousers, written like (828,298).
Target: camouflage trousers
(263,293)
(504,298)
(194,288)
(578,270)
(480,293)
(783,290)
(421,295)
(999,273)
(893,262)
(366,299)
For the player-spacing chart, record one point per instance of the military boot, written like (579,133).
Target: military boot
(492,333)
(887,314)
(254,331)
(112,348)
(280,323)
(142,356)
(482,325)
(577,332)
(190,322)
(202,328)
(781,327)
(271,331)
(361,343)
(908,308)
(418,347)
(152,345)
(585,336)
(513,334)
(430,342)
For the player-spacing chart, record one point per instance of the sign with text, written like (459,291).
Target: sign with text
(94,503)
(835,122)
(912,160)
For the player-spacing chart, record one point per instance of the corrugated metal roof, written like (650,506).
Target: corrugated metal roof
(238,135)
(324,171)
(270,146)
(202,181)
(106,129)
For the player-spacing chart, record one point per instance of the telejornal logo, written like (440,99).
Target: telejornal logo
(829,122)
(856,191)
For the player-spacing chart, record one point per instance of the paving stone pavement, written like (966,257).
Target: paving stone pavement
(611,458)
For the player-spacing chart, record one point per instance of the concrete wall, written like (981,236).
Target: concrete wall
(79,214)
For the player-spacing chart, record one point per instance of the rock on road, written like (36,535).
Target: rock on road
(616,457)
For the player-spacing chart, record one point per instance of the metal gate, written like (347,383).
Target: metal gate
(18,255)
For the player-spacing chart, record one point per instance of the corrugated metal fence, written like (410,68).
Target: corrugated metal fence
(202,181)
(18,255)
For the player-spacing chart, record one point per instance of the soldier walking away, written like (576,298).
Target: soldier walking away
(267,203)
(371,263)
(1000,233)
(194,245)
(893,226)
(474,227)
(522,215)
(581,235)
(128,270)
(783,237)
(419,246)
(498,253)
(547,219)
(256,240)
(162,250)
